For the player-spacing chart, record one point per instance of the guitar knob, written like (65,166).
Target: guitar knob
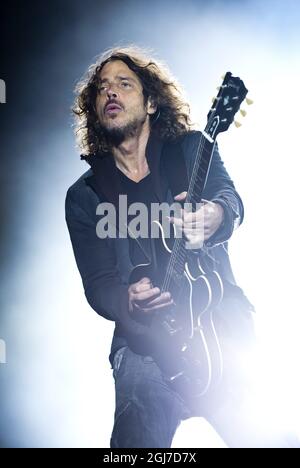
(237,124)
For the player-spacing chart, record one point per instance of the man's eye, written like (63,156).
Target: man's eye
(101,87)
(125,84)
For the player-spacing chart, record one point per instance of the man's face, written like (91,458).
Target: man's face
(120,103)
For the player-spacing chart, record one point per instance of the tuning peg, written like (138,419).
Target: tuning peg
(218,88)
(223,77)
(213,99)
(237,124)
(243,112)
(249,101)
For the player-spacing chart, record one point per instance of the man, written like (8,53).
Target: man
(129,109)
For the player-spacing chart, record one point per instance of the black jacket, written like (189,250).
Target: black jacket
(104,264)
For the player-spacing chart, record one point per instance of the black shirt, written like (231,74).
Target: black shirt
(142,192)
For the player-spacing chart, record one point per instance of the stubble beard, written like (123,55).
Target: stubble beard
(116,135)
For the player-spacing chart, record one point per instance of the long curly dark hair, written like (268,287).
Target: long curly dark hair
(171,119)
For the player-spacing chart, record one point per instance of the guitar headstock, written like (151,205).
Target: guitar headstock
(226,104)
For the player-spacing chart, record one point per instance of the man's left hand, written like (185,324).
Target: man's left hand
(200,225)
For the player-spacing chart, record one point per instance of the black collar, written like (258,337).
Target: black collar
(105,179)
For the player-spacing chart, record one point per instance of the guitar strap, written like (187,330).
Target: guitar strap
(174,168)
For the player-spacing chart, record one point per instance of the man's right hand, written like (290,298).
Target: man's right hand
(146,299)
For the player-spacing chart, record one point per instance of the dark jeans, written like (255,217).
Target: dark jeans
(148,412)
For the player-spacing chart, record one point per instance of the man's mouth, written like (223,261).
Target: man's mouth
(112,108)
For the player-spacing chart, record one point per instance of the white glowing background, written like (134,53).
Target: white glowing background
(59,388)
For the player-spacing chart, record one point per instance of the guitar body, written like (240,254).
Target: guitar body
(185,342)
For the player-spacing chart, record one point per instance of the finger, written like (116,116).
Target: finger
(187,217)
(181,196)
(207,228)
(142,287)
(145,295)
(143,284)
(185,229)
(190,216)
(160,306)
(145,280)
(176,221)
(162,299)
(196,225)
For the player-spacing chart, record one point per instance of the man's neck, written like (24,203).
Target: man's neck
(130,155)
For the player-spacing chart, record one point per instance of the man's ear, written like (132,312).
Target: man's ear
(151,105)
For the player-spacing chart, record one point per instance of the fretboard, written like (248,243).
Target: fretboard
(198,177)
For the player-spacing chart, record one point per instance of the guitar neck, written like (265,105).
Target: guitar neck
(200,169)
(197,183)
(225,105)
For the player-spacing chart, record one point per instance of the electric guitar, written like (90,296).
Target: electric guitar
(185,343)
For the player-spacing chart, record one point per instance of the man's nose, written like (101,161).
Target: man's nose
(111,92)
